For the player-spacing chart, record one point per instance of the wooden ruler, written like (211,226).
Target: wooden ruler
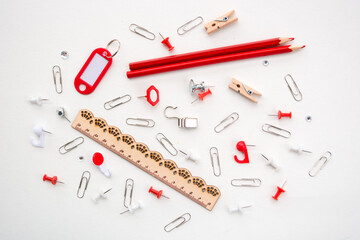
(151,162)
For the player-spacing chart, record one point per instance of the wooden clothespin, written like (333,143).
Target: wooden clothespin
(244,90)
(220,22)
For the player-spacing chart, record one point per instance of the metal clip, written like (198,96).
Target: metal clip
(297,95)
(182,217)
(233,117)
(146,122)
(326,157)
(214,151)
(267,128)
(63,149)
(183,122)
(108,105)
(197,86)
(87,180)
(173,151)
(246,182)
(129,183)
(185,28)
(133,27)
(57,71)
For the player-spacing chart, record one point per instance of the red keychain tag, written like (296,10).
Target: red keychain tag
(94,69)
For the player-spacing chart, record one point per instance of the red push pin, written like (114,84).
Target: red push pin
(281,114)
(157,193)
(202,95)
(148,95)
(53,179)
(166,42)
(242,147)
(280,190)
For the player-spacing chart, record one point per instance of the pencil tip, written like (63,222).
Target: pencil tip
(291,39)
(303,46)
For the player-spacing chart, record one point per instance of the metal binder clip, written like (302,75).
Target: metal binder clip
(87,180)
(190,25)
(183,220)
(63,149)
(183,122)
(162,137)
(246,182)
(233,117)
(297,95)
(128,184)
(215,153)
(142,122)
(57,72)
(197,86)
(267,128)
(142,31)
(109,105)
(325,157)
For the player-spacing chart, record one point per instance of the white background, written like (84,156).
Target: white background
(33,33)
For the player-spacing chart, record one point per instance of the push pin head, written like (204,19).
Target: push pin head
(37,100)
(53,179)
(279,191)
(166,42)
(151,89)
(133,207)
(271,163)
(281,115)
(297,149)
(157,193)
(237,208)
(98,160)
(202,95)
(61,112)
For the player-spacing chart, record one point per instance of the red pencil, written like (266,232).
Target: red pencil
(212,60)
(244,47)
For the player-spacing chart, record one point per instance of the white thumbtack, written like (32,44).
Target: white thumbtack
(237,208)
(189,156)
(297,149)
(99,195)
(133,207)
(272,163)
(40,132)
(37,100)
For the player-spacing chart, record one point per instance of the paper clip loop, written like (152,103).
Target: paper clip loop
(63,149)
(246,182)
(214,151)
(297,95)
(57,72)
(190,25)
(142,122)
(87,180)
(128,184)
(233,117)
(326,157)
(133,27)
(183,220)
(108,105)
(172,151)
(267,128)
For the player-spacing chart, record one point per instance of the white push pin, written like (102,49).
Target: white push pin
(237,208)
(61,112)
(133,207)
(37,100)
(272,163)
(99,195)
(189,156)
(40,132)
(98,160)
(297,149)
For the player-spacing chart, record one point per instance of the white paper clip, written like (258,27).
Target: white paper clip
(100,194)
(271,163)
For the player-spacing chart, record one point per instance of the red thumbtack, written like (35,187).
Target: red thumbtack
(148,95)
(242,147)
(166,42)
(280,190)
(281,114)
(157,193)
(53,179)
(202,95)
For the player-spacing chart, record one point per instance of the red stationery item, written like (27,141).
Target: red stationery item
(241,146)
(244,47)
(53,179)
(148,95)
(212,60)
(281,115)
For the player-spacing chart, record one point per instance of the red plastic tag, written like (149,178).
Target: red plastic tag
(93,71)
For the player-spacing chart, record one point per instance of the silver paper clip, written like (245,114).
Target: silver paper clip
(325,157)
(162,137)
(87,180)
(141,122)
(142,31)
(233,117)
(246,182)
(297,95)
(267,128)
(109,105)
(183,122)
(64,148)
(215,153)
(190,25)
(128,184)
(57,72)
(179,221)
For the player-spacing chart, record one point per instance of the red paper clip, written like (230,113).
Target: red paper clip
(53,179)
(281,114)
(148,95)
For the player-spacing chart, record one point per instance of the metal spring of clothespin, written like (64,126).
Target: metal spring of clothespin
(183,122)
